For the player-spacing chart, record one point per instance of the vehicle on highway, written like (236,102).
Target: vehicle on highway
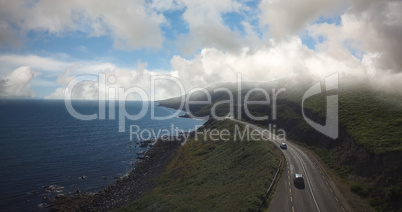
(298,179)
(283,146)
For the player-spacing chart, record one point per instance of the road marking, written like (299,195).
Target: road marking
(311,190)
(291,199)
(331,190)
(315,163)
(293,209)
(288,177)
(290,190)
(336,199)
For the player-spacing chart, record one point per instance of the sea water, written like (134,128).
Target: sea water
(42,144)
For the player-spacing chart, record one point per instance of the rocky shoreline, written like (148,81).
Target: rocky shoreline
(140,181)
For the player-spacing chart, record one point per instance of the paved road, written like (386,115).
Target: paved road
(319,193)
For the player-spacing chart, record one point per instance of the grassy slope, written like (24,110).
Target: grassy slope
(371,118)
(213,175)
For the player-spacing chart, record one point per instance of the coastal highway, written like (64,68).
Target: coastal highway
(319,193)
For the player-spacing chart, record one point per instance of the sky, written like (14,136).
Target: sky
(46,44)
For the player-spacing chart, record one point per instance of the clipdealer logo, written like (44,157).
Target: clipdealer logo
(331,127)
(111,94)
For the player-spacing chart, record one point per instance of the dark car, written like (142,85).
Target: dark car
(283,146)
(298,179)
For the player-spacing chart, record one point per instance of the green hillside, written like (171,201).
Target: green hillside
(368,152)
(372,118)
(213,176)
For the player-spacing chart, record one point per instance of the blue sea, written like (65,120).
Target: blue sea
(42,144)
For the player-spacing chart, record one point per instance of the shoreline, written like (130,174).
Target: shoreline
(138,182)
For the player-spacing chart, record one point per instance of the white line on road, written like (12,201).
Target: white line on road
(308,180)
(317,164)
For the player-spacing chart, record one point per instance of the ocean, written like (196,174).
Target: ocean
(41,144)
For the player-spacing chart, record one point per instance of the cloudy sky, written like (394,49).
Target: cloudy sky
(44,44)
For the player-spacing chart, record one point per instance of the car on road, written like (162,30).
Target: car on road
(298,179)
(284,146)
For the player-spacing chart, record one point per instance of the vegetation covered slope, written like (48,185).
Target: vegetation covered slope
(372,118)
(368,151)
(208,175)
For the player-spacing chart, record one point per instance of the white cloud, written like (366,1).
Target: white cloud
(57,94)
(167,5)
(50,65)
(275,61)
(8,36)
(39,82)
(17,83)
(130,23)
(366,43)
(374,29)
(288,17)
(370,27)
(377,27)
(207,28)
(266,63)
(10,61)
(133,24)
(123,79)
